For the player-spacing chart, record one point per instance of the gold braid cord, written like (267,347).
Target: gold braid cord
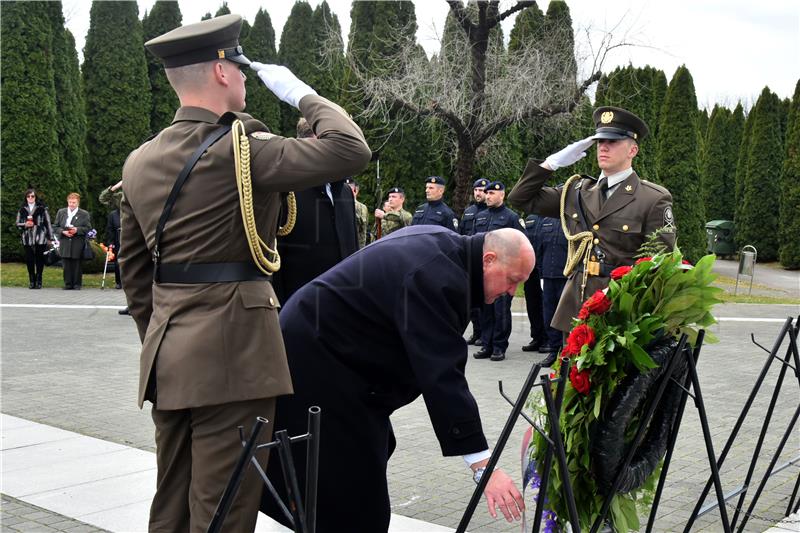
(241,160)
(579,246)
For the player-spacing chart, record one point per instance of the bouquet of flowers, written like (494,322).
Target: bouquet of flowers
(91,234)
(657,298)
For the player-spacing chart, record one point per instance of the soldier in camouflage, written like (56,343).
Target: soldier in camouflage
(362,215)
(394,217)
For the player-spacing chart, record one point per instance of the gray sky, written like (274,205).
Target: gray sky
(733,48)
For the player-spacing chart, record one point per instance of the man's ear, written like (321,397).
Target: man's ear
(634,150)
(489,258)
(219,74)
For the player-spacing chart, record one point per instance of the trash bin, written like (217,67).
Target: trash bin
(720,237)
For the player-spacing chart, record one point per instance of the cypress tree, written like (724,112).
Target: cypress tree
(296,54)
(790,188)
(328,78)
(244,31)
(677,162)
(117,93)
(260,46)
(223,10)
(30,146)
(71,123)
(165,16)
(716,172)
(741,172)
(761,193)
(206,16)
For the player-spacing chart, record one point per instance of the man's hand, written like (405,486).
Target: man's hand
(285,85)
(116,186)
(569,155)
(501,492)
(379,213)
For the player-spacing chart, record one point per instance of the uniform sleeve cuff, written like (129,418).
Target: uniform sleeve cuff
(472,458)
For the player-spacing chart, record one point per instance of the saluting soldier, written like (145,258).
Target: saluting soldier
(496,317)
(467,227)
(435,212)
(617,212)
(394,216)
(212,355)
(362,214)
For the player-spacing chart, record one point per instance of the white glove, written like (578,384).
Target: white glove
(569,155)
(282,83)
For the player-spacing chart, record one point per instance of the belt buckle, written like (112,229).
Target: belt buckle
(594,268)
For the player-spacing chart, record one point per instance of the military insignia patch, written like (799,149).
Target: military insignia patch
(607,117)
(261,135)
(669,219)
(628,188)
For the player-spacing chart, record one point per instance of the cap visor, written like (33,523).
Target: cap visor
(241,59)
(609,135)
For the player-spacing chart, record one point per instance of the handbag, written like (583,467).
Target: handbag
(51,255)
(88,253)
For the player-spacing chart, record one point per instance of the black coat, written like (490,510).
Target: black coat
(435,213)
(113,229)
(323,235)
(368,337)
(467,225)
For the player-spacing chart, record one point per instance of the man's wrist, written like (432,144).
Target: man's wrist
(478,459)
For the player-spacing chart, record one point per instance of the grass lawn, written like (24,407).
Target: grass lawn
(16,275)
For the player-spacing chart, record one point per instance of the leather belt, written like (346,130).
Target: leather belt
(209,273)
(597,268)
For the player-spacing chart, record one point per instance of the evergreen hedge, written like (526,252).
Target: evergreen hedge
(165,16)
(790,188)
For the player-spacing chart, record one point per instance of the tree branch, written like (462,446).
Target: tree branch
(434,109)
(457,8)
(522,4)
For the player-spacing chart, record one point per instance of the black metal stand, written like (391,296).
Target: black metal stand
(791,354)
(303,518)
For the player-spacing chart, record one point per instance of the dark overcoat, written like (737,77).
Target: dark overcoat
(72,247)
(619,225)
(325,232)
(467,225)
(435,213)
(367,338)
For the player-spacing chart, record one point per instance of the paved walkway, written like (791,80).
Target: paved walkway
(88,388)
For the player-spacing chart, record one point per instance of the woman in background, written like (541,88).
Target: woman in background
(34,222)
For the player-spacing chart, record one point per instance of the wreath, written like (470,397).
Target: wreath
(620,346)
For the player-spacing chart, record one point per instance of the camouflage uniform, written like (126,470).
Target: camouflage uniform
(394,220)
(362,220)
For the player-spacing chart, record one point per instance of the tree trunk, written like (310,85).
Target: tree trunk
(465,165)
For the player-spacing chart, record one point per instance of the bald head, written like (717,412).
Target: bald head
(508,260)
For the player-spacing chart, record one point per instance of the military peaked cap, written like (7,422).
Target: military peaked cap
(211,39)
(480,183)
(617,123)
(435,179)
(495,186)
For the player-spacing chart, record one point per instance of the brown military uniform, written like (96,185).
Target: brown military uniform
(620,224)
(216,344)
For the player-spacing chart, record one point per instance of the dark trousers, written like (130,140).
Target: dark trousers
(475,318)
(551,294)
(534,306)
(34,259)
(73,272)
(496,324)
(196,451)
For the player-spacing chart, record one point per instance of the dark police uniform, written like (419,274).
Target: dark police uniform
(435,213)
(533,292)
(550,246)
(467,227)
(408,296)
(496,317)
(324,233)
(212,354)
(620,224)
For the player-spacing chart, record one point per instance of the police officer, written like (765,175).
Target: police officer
(496,317)
(212,354)
(362,214)
(467,227)
(533,293)
(394,216)
(617,211)
(550,245)
(435,212)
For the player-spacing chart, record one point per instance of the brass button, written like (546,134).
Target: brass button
(624,227)
(595,227)
(574,215)
(271,301)
(597,241)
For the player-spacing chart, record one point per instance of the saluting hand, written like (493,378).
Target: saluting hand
(501,492)
(569,155)
(379,213)
(285,85)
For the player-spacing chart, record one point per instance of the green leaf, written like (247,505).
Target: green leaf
(597,402)
(640,358)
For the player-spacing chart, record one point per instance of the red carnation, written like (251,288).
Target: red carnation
(685,262)
(620,271)
(597,304)
(581,335)
(643,259)
(580,380)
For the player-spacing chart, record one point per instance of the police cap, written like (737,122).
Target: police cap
(435,179)
(211,39)
(397,190)
(495,186)
(480,183)
(617,123)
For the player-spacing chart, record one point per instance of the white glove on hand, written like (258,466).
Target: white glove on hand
(282,83)
(569,155)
